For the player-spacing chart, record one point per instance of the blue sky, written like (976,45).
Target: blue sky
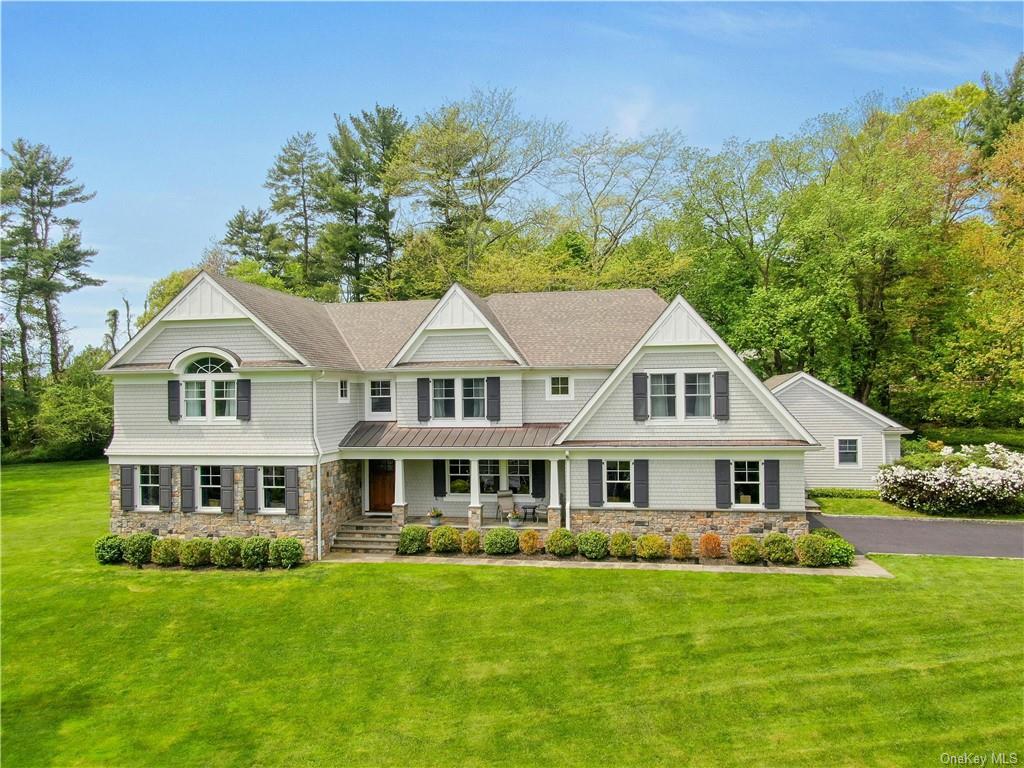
(173,111)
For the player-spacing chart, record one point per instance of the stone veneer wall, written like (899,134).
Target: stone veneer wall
(341,500)
(726,523)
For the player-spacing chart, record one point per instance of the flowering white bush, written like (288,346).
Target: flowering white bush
(975,480)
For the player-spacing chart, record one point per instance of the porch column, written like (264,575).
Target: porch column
(554,501)
(475,509)
(398,507)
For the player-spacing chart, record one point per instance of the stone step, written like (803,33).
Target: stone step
(345,544)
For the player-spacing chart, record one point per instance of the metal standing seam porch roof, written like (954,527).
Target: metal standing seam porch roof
(387,434)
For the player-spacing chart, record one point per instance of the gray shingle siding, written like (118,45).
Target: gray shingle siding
(244,339)
(419,493)
(335,419)
(461,346)
(511,403)
(537,409)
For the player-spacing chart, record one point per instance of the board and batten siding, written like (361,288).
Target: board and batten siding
(243,338)
(334,419)
(827,418)
(281,423)
(457,346)
(511,403)
(689,484)
(537,409)
(748,417)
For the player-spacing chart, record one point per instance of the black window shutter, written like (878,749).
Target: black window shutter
(166,488)
(771,483)
(641,483)
(723,486)
(227,489)
(640,397)
(127,487)
(188,488)
(291,490)
(722,395)
(439,478)
(538,483)
(494,398)
(243,399)
(173,400)
(423,399)
(595,472)
(250,489)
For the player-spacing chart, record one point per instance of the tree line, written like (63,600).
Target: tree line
(879,248)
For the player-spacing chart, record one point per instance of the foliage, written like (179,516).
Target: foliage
(813,551)
(745,549)
(413,540)
(109,549)
(501,541)
(879,508)
(682,547)
(138,548)
(226,552)
(827,533)
(255,552)
(471,542)
(710,545)
(195,553)
(593,545)
(286,552)
(842,493)
(76,411)
(561,543)
(1010,438)
(166,551)
(652,546)
(840,551)
(779,548)
(621,544)
(445,539)
(529,542)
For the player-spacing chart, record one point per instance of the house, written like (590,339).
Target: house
(241,410)
(856,439)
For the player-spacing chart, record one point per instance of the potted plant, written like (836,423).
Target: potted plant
(434,517)
(515,517)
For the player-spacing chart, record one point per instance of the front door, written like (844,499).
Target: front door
(382,485)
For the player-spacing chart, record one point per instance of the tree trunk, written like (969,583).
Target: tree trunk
(53,334)
(19,316)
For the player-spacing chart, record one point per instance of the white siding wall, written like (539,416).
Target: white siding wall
(893,448)
(419,493)
(335,419)
(537,409)
(458,346)
(748,418)
(827,418)
(689,484)
(281,422)
(511,404)
(243,338)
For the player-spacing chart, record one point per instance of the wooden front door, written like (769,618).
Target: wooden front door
(382,485)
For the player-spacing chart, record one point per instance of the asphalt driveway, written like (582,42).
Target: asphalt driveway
(926,537)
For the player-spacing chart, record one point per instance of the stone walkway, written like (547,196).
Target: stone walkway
(927,536)
(861,566)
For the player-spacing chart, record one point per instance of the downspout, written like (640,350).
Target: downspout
(568,506)
(319,458)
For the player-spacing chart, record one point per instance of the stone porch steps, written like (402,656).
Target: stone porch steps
(366,534)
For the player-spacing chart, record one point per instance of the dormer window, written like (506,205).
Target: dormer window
(209,389)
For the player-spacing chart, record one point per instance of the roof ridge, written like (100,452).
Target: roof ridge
(344,340)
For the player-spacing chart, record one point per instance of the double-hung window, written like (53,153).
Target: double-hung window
(209,487)
(663,395)
(490,475)
(473,403)
(618,482)
(458,476)
(847,451)
(195,399)
(273,487)
(519,475)
(343,391)
(149,486)
(224,399)
(698,394)
(746,482)
(443,398)
(559,387)
(380,396)
(209,389)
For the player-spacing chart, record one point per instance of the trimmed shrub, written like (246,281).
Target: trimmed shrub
(445,539)
(812,551)
(195,552)
(682,547)
(561,543)
(745,549)
(413,539)
(471,542)
(165,551)
(840,552)
(255,552)
(842,493)
(286,552)
(710,545)
(828,533)
(501,541)
(651,546)
(109,549)
(529,542)
(621,545)
(778,548)
(138,549)
(593,545)
(227,552)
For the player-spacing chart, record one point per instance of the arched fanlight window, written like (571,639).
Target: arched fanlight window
(209,389)
(208,365)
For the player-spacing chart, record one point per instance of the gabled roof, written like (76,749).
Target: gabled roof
(376,330)
(778,384)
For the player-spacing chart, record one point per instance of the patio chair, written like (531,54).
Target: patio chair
(505,505)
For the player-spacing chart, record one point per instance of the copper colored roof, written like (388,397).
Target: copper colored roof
(387,434)
(779,443)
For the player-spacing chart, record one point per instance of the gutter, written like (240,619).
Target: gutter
(319,458)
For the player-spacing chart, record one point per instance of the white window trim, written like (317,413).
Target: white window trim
(760,484)
(860,452)
(348,391)
(138,489)
(263,509)
(200,486)
(680,374)
(459,418)
(209,379)
(632,486)
(502,482)
(547,388)
(371,415)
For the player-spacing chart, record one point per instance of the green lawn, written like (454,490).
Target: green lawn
(409,665)
(883,508)
(1009,436)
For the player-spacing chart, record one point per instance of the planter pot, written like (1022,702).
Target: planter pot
(434,521)
(514,523)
